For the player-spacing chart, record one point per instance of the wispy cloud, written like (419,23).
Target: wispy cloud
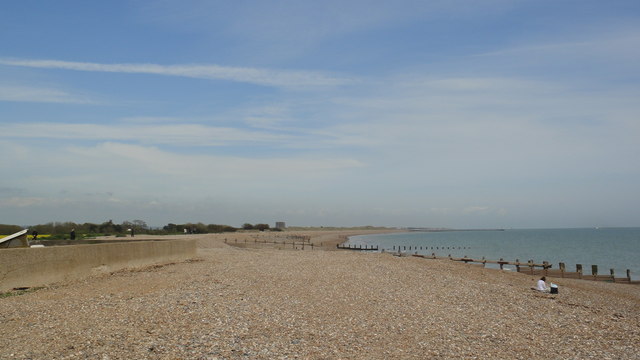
(174,134)
(42,95)
(266,77)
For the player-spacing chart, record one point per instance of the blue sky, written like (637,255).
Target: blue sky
(336,113)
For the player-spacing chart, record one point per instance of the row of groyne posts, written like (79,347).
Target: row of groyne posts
(529,267)
(545,269)
(296,242)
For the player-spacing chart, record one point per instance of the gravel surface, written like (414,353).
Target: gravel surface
(243,303)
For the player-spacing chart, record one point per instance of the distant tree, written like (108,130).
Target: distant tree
(247,226)
(89,228)
(213,228)
(171,228)
(106,227)
(9,229)
(140,225)
(262,227)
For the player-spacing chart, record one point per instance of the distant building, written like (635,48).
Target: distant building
(280,225)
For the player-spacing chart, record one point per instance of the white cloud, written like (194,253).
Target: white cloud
(475,209)
(266,77)
(174,134)
(44,95)
(166,163)
(22,202)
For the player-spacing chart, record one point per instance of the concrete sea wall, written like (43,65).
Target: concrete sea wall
(29,267)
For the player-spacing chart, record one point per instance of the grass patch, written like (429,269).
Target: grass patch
(18,292)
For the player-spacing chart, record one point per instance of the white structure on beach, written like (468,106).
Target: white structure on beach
(280,225)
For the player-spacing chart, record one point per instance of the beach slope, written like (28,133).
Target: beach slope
(235,302)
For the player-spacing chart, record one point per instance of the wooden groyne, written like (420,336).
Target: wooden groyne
(297,242)
(544,269)
(356,247)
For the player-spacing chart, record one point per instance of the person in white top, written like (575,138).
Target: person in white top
(542,285)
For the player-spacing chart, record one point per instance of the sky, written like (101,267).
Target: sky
(456,113)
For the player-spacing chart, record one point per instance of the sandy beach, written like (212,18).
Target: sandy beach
(242,299)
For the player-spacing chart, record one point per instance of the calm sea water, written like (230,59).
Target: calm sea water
(609,248)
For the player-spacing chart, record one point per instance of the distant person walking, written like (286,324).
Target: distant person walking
(72,236)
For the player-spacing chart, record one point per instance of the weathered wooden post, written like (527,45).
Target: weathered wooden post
(561,269)
(517,265)
(579,270)
(613,275)
(629,276)
(530,262)
(594,271)
(501,262)
(484,262)
(545,267)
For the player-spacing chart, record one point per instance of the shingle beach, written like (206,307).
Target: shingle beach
(264,303)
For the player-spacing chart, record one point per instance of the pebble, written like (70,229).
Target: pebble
(244,303)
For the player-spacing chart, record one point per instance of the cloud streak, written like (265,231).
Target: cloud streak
(42,95)
(264,77)
(173,134)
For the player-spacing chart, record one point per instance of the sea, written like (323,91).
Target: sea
(609,248)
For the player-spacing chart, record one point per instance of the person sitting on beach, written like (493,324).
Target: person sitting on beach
(542,285)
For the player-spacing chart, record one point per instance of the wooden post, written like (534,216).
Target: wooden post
(545,267)
(501,264)
(594,271)
(579,270)
(530,262)
(484,262)
(561,269)
(629,276)
(517,265)
(613,275)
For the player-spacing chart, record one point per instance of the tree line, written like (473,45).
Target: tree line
(60,229)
